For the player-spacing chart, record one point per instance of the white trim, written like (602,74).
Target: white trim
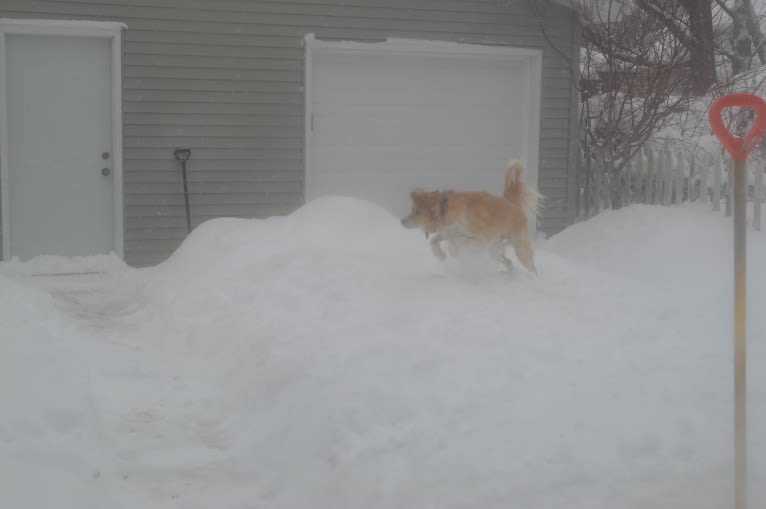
(532,56)
(535,118)
(118,243)
(60,27)
(4,185)
(67,28)
(394,45)
(308,122)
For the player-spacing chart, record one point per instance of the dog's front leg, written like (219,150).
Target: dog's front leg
(436,249)
(456,243)
(497,251)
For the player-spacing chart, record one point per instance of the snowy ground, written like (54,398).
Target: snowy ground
(327,360)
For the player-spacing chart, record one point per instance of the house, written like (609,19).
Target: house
(279,102)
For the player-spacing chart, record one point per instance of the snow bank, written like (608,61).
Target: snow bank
(45,265)
(351,370)
(330,225)
(645,242)
(326,359)
(332,250)
(49,450)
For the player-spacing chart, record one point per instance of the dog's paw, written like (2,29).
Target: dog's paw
(438,253)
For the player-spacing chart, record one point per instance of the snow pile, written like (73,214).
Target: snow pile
(326,359)
(50,453)
(658,244)
(337,254)
(48,265)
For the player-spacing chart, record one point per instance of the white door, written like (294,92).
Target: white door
(388,119)
(60,155)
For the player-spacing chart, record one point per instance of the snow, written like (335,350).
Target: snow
(326,359)
(49,434)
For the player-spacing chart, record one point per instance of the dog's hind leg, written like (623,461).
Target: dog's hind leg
(497,251)
(436,249)
(522,246)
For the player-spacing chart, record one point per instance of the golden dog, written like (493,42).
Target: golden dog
(479,219)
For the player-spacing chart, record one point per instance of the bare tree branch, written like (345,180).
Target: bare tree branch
(669,22)
(754,28)
(637,77)
(722,5)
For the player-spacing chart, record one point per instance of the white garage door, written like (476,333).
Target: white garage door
(387,117)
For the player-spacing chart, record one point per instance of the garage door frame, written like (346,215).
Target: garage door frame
(532,57)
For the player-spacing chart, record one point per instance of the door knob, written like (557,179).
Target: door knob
(105,156)
(106,172)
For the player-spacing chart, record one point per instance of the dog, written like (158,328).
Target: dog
(479,219)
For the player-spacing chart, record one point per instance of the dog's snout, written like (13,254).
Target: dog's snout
(408,223)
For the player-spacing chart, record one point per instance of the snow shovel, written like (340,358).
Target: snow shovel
(739,148)
(182,155)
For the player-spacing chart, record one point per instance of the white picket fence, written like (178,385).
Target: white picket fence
(670,174)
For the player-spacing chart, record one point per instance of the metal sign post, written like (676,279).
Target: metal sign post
(739,148)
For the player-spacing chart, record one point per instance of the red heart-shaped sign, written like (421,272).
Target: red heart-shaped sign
(738,147)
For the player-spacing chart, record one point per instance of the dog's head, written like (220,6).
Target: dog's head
(428,209)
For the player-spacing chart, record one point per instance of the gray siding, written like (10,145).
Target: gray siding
(225,78)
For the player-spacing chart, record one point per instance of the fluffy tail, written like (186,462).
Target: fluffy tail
(516,190)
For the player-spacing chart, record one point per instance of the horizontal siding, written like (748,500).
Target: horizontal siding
(149,119)
(250,154)
(291,17)
(208,168)
(187,108)
(214,131)
(226,78)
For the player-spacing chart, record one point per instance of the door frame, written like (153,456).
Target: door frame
(533,57)
(68,28)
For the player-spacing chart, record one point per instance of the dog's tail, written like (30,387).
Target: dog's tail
(516,190)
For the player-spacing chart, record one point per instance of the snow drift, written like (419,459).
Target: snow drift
(326,359)
(50,445)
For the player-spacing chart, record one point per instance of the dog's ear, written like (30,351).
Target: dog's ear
(443,205)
